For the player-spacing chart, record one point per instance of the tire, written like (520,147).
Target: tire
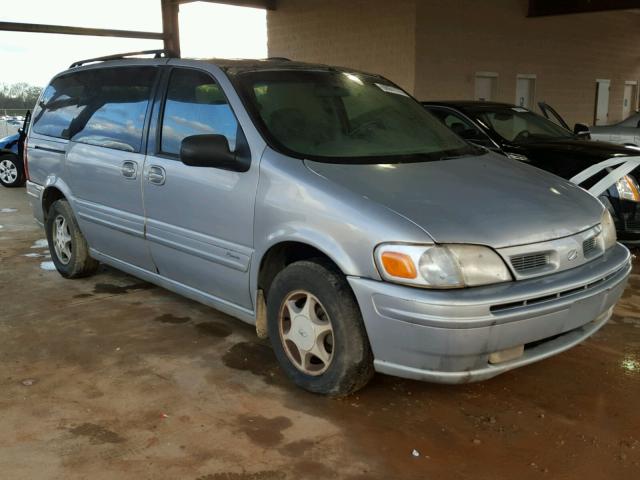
(344,345)
(68,247)
(11,171)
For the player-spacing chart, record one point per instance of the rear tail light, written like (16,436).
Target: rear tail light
(25,161)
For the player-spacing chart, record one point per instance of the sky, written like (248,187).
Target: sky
(206,30)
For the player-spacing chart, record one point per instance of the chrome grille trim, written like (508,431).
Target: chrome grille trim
(545,258)
(531,261)
(589,246)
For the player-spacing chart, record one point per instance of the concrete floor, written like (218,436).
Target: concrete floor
(110,377)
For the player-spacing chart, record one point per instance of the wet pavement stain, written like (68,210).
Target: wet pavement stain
(218,330)
(313,469)
(257,358)
(262,475)
(297,448)
(97,434)
(112,289)
(266,432)
(172,319)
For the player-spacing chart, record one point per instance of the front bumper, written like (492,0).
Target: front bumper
(447,336)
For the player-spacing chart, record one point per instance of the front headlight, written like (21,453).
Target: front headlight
(440,266)
(628,189)
(608,230)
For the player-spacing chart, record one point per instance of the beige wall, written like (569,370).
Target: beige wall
(456,38)
(371,35)
(433,48)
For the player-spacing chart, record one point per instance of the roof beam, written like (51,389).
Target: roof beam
(66,30)
(541,8)
(266,4)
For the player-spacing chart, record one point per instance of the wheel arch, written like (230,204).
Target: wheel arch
(281,253)
(53,191)
(284,253)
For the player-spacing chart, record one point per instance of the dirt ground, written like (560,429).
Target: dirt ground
(112,378)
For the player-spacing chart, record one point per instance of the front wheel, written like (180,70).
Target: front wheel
(316,329)
(68,247)
(11,171)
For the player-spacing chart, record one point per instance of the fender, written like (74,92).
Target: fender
(302,234)
(5,151)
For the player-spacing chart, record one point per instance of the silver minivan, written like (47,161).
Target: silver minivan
(325,206)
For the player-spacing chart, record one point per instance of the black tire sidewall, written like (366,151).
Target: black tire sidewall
(351,365)
(20,178)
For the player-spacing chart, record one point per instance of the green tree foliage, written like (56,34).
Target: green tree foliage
(19,96)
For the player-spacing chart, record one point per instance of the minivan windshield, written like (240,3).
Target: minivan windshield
(519,125)
(339,117)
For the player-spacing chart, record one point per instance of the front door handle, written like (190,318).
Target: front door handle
(129,169)
(156,175)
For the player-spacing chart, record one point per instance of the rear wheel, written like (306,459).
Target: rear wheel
(316,329)
(11,171)
(68,247)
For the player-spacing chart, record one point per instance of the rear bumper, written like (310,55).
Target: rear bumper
(448,336)
(34,192)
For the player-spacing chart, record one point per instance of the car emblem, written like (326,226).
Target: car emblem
(572,255)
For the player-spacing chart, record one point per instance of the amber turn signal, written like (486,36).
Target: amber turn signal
(398,265)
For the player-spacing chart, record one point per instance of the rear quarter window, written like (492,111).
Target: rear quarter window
(103,107)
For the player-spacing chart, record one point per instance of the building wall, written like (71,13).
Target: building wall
(457,38)
(371,35)
(433,48)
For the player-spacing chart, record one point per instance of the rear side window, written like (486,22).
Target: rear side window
(103,107)
(195,105)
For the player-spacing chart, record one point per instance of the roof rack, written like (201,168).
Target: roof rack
(118,56)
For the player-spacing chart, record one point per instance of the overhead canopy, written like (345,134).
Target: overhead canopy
(170,32)
(539,8)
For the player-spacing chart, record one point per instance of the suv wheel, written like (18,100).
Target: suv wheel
(316,329)
(11,171)
(68,247)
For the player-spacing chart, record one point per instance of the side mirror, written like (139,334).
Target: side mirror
(638,124)
(211,151)
(581,130)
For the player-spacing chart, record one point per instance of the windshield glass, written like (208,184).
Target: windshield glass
(343,117)
(519,125)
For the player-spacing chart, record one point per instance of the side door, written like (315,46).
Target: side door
(552,115)
(199,219)
(105,159)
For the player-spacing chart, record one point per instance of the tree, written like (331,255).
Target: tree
(19,96)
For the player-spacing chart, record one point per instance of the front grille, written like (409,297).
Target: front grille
(589,246)
(506,307)
(633,224)
(530,261)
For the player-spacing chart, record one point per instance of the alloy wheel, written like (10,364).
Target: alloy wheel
(306,332)
(62,239)
(8,171)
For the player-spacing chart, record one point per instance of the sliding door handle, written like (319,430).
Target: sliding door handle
(156,175)
(129,169)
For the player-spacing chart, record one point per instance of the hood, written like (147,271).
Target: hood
(485,200)
(588,149)
(9,140)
